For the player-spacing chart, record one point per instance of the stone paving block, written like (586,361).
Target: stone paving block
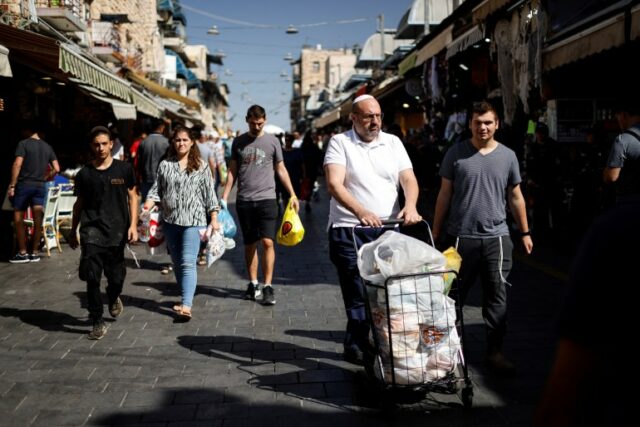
(170,413)
(233,378)
(49,417)
(115,416)
(270,380)
(302,390)
(156,398)
(249,394)
(322,376)
(179,381)
(207,395)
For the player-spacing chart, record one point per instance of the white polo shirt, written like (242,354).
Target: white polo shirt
(372,174)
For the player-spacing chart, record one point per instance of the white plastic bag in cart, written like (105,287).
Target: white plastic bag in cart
(394,253)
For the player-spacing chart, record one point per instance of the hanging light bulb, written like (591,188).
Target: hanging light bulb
(288,57)
(213,30)
(291,30)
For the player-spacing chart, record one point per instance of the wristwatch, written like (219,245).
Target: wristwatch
(525,233)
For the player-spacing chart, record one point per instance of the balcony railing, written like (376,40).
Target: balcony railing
(63,15)
(75,6)
(105,35)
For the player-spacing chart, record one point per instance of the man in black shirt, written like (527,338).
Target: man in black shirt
(107,208)
(34,165)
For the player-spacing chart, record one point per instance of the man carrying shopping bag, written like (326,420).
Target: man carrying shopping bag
(254,157)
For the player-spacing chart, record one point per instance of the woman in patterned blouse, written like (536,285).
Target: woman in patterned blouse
(184,188)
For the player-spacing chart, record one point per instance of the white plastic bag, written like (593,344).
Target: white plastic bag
(394,253)
(216,246)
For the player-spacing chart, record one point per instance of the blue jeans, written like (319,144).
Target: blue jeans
(184,244)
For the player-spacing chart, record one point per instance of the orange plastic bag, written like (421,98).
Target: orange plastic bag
(291,231)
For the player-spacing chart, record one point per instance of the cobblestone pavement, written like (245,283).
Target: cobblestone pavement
(237,362)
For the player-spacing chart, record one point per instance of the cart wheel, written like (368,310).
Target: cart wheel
(467,396)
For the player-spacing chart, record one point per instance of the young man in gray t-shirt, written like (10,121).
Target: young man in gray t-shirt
(478,177)
(255,156)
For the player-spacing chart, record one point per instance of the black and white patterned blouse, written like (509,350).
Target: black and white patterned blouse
(186,199)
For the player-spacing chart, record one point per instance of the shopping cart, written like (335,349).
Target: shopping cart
(417,332)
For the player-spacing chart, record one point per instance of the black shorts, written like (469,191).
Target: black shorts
(257,219)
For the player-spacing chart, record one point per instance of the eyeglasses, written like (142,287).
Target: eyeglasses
(367,118)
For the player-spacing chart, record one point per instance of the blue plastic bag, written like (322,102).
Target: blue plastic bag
(227,223)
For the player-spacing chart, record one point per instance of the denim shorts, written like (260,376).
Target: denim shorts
(28,195)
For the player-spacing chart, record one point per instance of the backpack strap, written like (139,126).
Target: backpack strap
(635,132)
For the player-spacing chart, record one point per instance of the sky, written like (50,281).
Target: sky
(255,43)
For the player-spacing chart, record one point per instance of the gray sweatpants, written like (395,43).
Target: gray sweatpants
(488,260)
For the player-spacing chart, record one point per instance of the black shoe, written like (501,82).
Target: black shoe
(253,292)
(99,330)
(116,308)
(500,365)
(35,257)
(353,355)
(307,206)
(20,259)
(267,296)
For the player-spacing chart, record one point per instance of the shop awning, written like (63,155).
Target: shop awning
(372,50)
(327,118)
(5,67)
(407,63)
(161,90)
(486,8)
(605,35)
(182,70)
(465,41)
(74,63)
(31,49)
(145,105)
(387,86)
(121,110)
(411,24)
(437,43)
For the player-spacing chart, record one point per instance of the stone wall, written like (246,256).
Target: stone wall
(141,36)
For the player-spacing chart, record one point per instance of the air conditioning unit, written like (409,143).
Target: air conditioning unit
(82,38)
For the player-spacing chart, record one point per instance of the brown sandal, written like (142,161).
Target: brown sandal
(184,315)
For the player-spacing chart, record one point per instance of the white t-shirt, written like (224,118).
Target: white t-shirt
(372,174)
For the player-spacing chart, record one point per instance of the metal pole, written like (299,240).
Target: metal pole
(426,17)
(381,19)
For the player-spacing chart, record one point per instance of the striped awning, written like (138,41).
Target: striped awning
(145,105)
(121,110)
(604,35)
(161,90)
(74,63)
(465,41)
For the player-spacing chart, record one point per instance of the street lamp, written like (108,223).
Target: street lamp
(213,30)
(288,57)
(291,30)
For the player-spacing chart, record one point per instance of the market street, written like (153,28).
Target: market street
(238,362)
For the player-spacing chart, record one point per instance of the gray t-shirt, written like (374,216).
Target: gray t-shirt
(36,155)
(150,152)
(256,158)
(480,182)
(625,154)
